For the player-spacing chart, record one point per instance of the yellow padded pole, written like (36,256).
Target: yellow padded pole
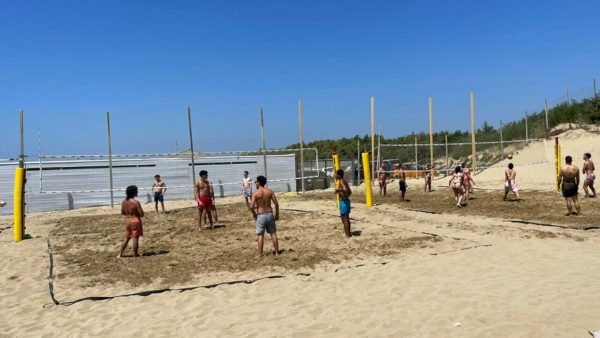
(18,204)
(367,172)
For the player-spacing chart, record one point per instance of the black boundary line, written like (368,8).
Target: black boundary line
(584,228)
(55,302)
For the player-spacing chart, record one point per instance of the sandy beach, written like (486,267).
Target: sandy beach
(417,269)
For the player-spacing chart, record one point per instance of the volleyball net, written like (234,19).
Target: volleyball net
(413,158)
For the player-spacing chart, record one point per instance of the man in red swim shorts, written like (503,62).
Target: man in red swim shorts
(133,212)
(202,191)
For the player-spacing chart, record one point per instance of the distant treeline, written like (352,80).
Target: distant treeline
(586,111)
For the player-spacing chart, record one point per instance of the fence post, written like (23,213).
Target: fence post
(447,163)
(416,157)
(110,171)
(526,128)
(192,149)
(301,146)
(264,146)
(501,141)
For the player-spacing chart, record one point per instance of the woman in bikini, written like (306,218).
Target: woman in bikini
(456,183)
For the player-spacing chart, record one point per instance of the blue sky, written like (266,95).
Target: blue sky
(68,62)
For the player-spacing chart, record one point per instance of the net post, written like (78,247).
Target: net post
(473,148)
(568,97)
(19,189)
(526,128)
(367,173)
(447,162)
(416,159)
(336,166)
(431,136)
(595,95)
(372,137)
(501,142)
(189,114)
(301,146)
(110,171)
(264,147)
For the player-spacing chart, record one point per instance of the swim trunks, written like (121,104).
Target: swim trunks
(158,197)
(265,222)
(247,192)
(569,189)
(206,200)
(402,185)
(133,228)
(590,177)
(344,207)
(509,186)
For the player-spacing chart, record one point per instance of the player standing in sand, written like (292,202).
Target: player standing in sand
(402,182)
(159,188)
(468,181)
(344,193)
(510,182)
(427,175)
(133,212)
(456,183)
(569,178)
(202,191)
(247,188)
(263,214)
(588,170)
(382,180)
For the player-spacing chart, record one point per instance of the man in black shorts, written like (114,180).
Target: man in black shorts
(569,178)
(402,182)
(159,188)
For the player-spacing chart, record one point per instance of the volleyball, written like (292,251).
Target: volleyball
(2,203)
(510,156)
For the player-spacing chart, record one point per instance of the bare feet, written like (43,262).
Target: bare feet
(119,256)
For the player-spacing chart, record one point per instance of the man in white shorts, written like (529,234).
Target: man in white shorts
(510,182)
(247,188)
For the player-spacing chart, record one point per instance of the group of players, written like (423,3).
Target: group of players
(261,202)
(461,182)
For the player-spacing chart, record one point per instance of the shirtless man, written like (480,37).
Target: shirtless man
(133,212)
(381,175)
(344,193)
(402,182)
(468,181)
(159,188)
(263,214)
(510,182)
(202,190)
(247,188)
(427,175)
(569,178)
(588,170)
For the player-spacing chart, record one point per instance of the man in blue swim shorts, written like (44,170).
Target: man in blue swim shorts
(344,193)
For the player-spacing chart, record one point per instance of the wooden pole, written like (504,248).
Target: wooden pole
(501,141)
(189,111)
(526,128)
(546,112)
(358,163)
(110,171)
(379,150)
(372,138)
(431,133)
(22,141)
(473,148)
(301,146)
(568,97)
(264,145)
(416,158)
(447,162)
(595,89)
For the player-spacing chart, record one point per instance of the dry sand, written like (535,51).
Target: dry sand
(419,269)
